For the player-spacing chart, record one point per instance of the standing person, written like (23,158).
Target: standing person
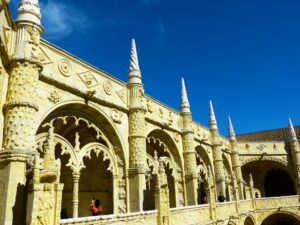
(221,197)
(95,207)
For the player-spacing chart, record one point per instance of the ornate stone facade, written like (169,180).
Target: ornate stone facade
(70,132)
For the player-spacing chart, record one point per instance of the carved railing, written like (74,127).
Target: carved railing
(225,209)
(245,206)
(148,217)
(276,202)
(192,214)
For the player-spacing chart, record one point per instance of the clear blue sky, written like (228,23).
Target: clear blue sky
(242,54)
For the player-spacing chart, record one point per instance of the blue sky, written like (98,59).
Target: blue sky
(244,55)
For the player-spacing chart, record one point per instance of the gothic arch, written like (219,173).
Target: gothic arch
(200,150)
(107,155)
(92,141)
(204,164)
(161,146)
(265,158)
(261,170)
(269,218)
(168,143)
(79,107)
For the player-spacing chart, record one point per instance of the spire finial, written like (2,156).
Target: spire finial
(212,118)
(29,11)
(292,132)
(231,130)
(134,73)
(184,104)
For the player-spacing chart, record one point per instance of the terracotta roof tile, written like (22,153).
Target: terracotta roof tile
(280,134)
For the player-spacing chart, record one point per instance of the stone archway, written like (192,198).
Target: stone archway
(266,180)
(281,219)
(203,165)
(93,147)
(161,146)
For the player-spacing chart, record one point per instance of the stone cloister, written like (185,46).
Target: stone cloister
(70,132)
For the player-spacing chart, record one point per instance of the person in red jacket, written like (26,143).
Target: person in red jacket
(95,207)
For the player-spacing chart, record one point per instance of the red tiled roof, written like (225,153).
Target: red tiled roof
(280,134)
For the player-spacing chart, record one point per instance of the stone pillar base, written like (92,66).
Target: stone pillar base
(136,189)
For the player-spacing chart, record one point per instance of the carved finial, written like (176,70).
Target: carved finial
(231,130)
(184,104)
(29,11)
(212,118)
(251,183)
(134,74)
(292,132)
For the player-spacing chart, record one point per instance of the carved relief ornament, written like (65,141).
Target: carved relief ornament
(65,67)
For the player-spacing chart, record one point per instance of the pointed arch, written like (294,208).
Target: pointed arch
(91,139)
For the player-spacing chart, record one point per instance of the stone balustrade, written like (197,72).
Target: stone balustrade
(191,214)
(149,217)
(276,202)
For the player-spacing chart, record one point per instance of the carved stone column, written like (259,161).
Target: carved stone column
(218,163)
(137,158)
(20,112)
(216,152)
(75,200)
(211,194)
(189,154)
(3,91)
(162,196)
(137,134)
(235,159)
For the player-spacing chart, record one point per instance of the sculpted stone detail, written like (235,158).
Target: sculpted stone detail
(138,154)
(123,95)
(161,113)
(150,106)
(77,120)
(88,79)
(122,195)
(33,41)
(116,116)
(65,67)
(137,125)
(177,137)
(261,147)
(44,58)
(44,210)
(107,86)
(265,158)
(22,88)
(54,96)
(122,209)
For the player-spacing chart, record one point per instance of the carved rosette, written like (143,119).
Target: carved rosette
(65,67)
(54,96)
(107,86)
(20,106)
